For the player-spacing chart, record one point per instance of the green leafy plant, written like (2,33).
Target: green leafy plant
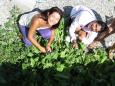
(65,66)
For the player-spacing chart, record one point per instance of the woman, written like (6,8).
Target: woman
(105,34)
(85,25)
(45,23)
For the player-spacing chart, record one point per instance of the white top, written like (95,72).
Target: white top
(82,16)
(25,19)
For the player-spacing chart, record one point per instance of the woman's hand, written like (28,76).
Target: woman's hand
(74,44)
(81,34)
(93,45)
(42,50)
(48,48)
(110,29)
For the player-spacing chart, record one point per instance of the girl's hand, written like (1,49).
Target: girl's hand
(42,50)
(82,34)
(110,29)
(74,44)
(93,45)
(48,49)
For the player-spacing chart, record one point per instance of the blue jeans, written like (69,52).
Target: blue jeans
(45,33)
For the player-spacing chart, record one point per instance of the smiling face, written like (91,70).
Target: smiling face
(53,18)
(95,27)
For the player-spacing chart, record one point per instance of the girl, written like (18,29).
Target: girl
(85,25)
(45,23)
(105,34)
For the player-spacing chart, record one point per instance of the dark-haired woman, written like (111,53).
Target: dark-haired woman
(85,25)
(44,23)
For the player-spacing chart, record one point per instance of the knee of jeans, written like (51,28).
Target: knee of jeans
(26,42)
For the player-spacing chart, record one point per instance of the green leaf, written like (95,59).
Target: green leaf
(60,67)
(30,54)
(48,65)
(82,46)
(32,62)
(36,50)
(24,66)
(63,54)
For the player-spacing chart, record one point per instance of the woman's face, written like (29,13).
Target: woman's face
(53,18)
(95,27)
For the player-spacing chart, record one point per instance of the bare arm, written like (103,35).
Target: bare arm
(34,25)
(74,27)
(50,40)
(81,34)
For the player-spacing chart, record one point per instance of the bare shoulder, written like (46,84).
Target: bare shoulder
(37,20)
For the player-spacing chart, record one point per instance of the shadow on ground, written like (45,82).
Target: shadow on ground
(92,74)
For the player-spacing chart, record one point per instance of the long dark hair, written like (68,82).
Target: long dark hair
(104,26)
(46,13)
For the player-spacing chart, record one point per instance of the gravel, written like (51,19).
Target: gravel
(4,11)
(104,8)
